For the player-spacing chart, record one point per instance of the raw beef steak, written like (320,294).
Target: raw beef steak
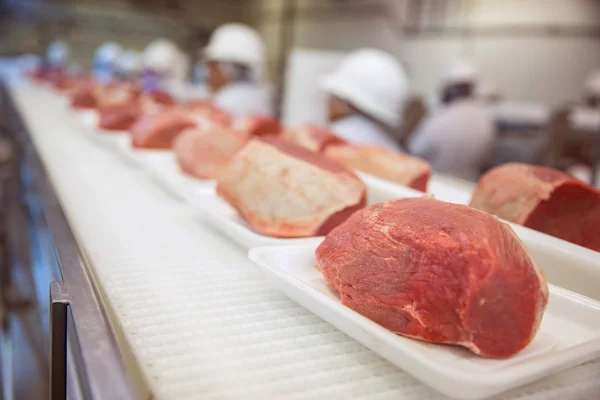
(438,272)
(543,199)
(390,165)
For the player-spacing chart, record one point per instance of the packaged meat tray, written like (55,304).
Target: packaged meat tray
(569,333)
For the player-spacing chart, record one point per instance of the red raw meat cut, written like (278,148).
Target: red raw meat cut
(313,137)
(543,199)
(390,165)
(119,116)
(205,153)
(285,190)
(122,115)
(159,130)
(257,125)
(438,272)
(83,97)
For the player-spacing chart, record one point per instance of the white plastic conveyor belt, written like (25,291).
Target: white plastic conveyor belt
(198,317)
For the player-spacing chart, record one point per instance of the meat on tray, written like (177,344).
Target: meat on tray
(122,115)
(543,199)
(205,153)
(313,137)
(438,272)
(284,190)
(390,165)
(159,130)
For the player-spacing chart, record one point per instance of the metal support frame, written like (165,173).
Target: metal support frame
(99,364)
(58,340)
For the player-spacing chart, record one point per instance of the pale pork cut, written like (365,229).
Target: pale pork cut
(284,190)
(543,199)
(390,165)
(313,137)
(438,272)
(205,153)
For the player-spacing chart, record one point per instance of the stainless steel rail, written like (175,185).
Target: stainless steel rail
(100,365)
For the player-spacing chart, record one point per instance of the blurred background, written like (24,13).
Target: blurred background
(529,50)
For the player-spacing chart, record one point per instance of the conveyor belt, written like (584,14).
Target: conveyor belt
(196,314)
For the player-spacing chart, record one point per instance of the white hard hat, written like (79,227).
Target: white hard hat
(58,52)
(129,61)
(373,81)
(107,52)
(592,84)
(237,43)
(461,70)
(161,55)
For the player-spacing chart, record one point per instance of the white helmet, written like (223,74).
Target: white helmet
(592,84)
(237,43)
(161,55)
(373,81)
(107,53)
(461,71)
(129,62)
(58,52)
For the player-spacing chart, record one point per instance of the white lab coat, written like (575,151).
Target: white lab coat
(456,139)
(358,129)
(245,98)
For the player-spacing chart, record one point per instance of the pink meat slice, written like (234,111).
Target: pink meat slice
(284,190)
(312,137)
(205,153)
(160,128)
(543,199)
(390,165)
(437,272)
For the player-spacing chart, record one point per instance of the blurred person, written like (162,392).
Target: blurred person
(161,65)
(458,137)
(235,59)
(366,96)
(128,65)
(58,54)
(105,60)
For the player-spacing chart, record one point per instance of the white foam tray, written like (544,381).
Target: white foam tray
(162,166)
(569,334)
(224,218)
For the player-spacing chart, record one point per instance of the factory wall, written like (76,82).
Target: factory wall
(530,50)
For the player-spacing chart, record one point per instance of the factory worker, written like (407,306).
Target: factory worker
(161,64)
(128,65)
(366,96)
(105,59)
(459,136)
(58,53)
(235,60)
